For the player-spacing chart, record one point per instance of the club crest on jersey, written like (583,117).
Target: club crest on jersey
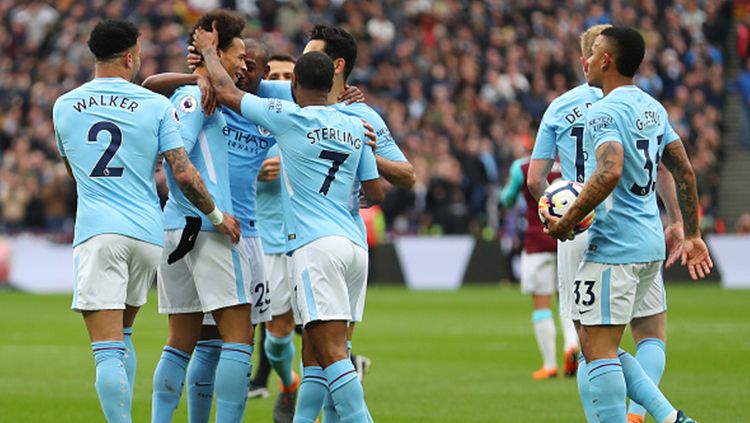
(188,104)
(263,131)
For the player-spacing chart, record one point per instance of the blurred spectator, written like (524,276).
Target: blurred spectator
(742,86)
(743,224)
(462,84)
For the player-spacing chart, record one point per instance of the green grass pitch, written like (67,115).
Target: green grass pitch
(463,356)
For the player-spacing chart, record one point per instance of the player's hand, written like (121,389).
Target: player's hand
(204,40)
(674,235)
(363,202)
(194,59)
(208,99)
(696,257)
(556,229)
(351,95)
(372,139)
(269,170)
(229,226)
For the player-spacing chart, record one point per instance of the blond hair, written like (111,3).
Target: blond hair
(588,37)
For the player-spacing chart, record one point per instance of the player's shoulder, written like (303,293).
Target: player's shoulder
(187,98)
(583,93)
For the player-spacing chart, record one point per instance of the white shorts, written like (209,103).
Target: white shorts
(112,270)
(538,273)
(614,294)
(569,258)
(208,278)
(253,270)
(277,269)
(330,280)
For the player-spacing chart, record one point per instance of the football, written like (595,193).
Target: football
(558,197)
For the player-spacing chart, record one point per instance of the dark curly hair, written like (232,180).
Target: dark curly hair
(112,37)
(228,24)
(339,45)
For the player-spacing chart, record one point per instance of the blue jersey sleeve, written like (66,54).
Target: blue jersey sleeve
(602,126)
(670,135)
(275,89)
(169,131)
(271,113)
(545,146)
(59,144)
(368,168)
(387,147)
(190,116)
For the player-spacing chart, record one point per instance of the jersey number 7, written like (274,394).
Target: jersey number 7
(338,159)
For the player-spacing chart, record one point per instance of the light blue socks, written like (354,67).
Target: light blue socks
(582,379)
(200,380)
(644,391)
(112,384)
(169,378)
(312,392)
(280,353)
(652,356)
(130,361)
(346,391)
(608,391)
(233,381)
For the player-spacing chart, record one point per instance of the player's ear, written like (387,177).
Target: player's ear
(338,66)
(129,59)
(266,71)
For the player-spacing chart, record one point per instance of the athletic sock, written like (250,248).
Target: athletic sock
(112,380)
(644,391)
(233,381)
(544,329)
(169,378)
(329,409)
(129,358)
(263,370)
(200,380)
(582,379)
(608,391)
(652,356)
(346,391)
(312,392)
(570,337)
(280,354)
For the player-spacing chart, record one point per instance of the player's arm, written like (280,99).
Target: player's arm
(191,184)
(536,177)
(367,171)
(166,83)
(542,156)
(694,251)
(400,174)
(609,161)
(373,191)
(68,168)
(674,234)
(226,92)
(511,190)
(392,164)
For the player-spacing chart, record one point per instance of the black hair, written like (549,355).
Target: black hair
(314,71)
(339,44)
(629,48)
(255,45)
(280,57)
(110,38)
(229,25)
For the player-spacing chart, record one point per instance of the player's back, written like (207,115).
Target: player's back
(271,213)
(111,131)
(320,156)
(561,131)
(627,228)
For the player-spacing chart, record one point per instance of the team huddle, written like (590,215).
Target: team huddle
(262,221)
(221,268)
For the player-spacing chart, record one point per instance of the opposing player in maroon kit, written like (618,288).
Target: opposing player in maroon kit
(539,276)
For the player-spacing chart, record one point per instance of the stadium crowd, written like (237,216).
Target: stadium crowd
(463,85)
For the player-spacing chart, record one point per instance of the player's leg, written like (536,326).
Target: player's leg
(128,318)
(259,382)
(201,372)
(314,386)
(538,279)
(649,333)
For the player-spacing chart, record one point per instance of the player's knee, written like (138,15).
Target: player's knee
(281,326)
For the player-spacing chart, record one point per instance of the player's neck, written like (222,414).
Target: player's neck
(339,87)
(311,98)
(615,81)
(102,70)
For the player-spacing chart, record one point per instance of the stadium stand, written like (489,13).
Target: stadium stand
(463,85)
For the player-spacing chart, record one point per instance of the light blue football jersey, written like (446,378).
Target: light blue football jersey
(627,228)
(322,152)
(248,146)
(112,132)
(206,143)
(561,131)
(387,148)
(271,213)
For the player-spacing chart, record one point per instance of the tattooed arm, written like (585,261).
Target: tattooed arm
(192,185)
(226,92)
(673,233)
(694,251)
(609,161)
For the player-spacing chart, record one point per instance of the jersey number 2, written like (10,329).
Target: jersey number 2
(338,159)
(101,170)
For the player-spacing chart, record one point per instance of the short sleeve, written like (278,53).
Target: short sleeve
(670,135)
(602,127)
(270,113)
(191,118)
(60,147)
(545,146)
(169,131)
(387,147)
(368,168)
(275,89)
